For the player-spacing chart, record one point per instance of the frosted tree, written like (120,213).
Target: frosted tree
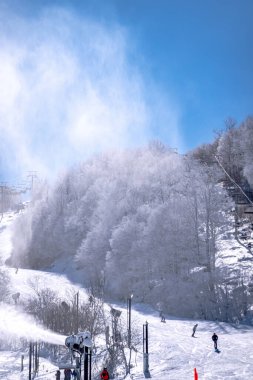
(145,220)
(229,151)
(247,148)
(4,288)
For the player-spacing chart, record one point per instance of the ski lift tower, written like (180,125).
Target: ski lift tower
(79,346)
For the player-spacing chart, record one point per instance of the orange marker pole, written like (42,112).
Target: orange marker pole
(195,374)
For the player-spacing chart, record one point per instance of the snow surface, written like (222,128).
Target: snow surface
(173,352)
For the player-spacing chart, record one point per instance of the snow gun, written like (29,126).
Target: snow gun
(76,343)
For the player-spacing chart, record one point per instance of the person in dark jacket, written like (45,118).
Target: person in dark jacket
(104,374)
(162,316)
(67,374)
(194,329)
(215,339)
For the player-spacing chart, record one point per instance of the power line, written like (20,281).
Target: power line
(233,181)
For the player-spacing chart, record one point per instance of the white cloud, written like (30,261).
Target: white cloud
(67,90)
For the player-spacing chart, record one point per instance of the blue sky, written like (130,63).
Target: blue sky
(93,75)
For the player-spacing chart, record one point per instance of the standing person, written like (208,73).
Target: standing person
(194,329)
(58,375)
(215,339)
(162,317)
(67,374)
(74,374)
(104,374)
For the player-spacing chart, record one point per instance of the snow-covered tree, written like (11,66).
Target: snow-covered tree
(133,221)
(4,285)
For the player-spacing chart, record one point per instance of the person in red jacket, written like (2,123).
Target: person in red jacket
(104,374)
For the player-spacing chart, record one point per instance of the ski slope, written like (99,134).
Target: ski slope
(173,353)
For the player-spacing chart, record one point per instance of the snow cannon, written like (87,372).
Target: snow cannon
(79,341)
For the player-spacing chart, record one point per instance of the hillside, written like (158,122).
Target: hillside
(140,221)
(173,353)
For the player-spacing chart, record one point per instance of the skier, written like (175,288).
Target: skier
(58,374)
(162,317)
(74,374)
(215,338)
(194,329)
(104,374)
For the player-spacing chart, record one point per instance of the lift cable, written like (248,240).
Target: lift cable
(233,181)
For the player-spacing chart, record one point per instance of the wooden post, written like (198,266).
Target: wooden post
(22,363)
(30,361)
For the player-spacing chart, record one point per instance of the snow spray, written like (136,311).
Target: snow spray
(14,323)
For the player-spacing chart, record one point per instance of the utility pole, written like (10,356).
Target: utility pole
(22,363)
(87,363)
(30,361)
(129,323)
(32,175)
(145,352)
(33,356)
(129,310)
(36,357)
(77,311)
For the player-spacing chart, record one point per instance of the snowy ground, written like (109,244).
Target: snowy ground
(173,353)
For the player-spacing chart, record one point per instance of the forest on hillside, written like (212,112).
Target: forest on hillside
(146,221)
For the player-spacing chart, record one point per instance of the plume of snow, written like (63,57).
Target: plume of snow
(14,323)
(69,88)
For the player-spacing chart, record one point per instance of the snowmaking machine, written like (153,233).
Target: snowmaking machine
(79,349)
(76,343)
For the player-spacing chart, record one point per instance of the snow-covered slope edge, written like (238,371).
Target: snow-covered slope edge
(173,353)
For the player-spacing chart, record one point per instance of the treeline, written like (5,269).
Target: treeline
(234,148)
(144,221)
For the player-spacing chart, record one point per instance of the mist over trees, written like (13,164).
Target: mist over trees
(145,221)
